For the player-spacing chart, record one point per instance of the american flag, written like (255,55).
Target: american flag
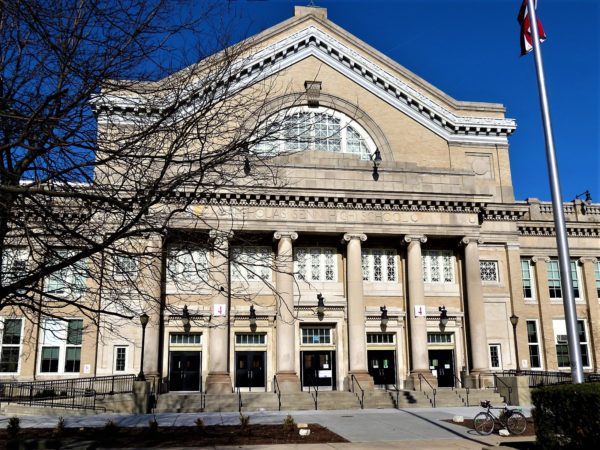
(526,35)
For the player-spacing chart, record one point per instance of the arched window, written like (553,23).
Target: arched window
(320,129)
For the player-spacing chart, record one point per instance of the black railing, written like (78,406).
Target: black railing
(433,390)
(361,397)
(240,403)
(460,383)
(315,396)
(277,391)
(539,378)
(76,393)
(509,388)
(396,390)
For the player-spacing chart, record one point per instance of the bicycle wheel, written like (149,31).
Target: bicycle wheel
(516,423)
(483,423)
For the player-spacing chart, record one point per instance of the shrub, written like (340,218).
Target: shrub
(244,422)
(14,426)
(289,424)
(111,427)
(153,425)
(567,416)
(59,430)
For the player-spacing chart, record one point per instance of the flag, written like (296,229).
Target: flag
(526,34)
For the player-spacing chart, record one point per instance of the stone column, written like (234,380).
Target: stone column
(150,283)
(417,324)
(476,312)
(591,297)
(287,377)
(357,346)
(218,380)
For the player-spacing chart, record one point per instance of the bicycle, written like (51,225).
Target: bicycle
(512,419)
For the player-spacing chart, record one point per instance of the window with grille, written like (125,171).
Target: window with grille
(528,280)
(562,347)
(495,354)
(316,263)
(252,264)
(554,284)
(120,359)
(69,280)
(61,346)
(380,338)
(489,270)
(14,264)
(187,265)
(316,335)
(125,267)
(319,129)
(10,340)
(186,338)
(438,266)
(379,265)
(250,338)
(439,338)
(533,341)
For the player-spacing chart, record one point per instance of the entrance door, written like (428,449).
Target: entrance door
(250,370)
(318,369)
(382,366)
(442,361)
(184,371)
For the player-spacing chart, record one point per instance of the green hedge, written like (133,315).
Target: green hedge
(567,416)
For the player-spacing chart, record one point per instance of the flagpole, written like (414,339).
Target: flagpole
(557,207)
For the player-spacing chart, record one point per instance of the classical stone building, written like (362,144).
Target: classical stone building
(355,272)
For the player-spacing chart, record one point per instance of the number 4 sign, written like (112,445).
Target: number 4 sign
(420,311)
(219,310)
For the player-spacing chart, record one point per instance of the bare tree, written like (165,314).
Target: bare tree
(108,137)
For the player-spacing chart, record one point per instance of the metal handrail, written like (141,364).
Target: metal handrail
(316,394)
(361,399)
(496,379)
(240,403)
(397,390)
(277,391)
(434,390)
(463,386)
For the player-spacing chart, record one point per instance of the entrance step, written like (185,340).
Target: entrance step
(330,400)
(379,400)
(456,397)
(176,402)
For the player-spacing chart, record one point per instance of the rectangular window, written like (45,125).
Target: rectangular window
(69,280)
(597,272)
(14,264)
(250,338)
(186,338)
(439,338)
(489,271)
(316,263)
(533,341)
(380,338)
(120,359)
(61,346)
(438,266)
(527,278)
(554,284)
(252,264)
(562,347)
(10,332)
(379,265)
(316,335)
(187,265)
(495,357)
(125,267)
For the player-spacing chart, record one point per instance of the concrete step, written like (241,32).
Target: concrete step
(332,400)
(14,409)
(379,400)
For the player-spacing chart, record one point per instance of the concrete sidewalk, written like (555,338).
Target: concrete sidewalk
(414,429)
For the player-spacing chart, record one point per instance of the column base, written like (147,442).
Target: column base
(364,378)
(481,378)
(287,382)
(420,384)
(218,383)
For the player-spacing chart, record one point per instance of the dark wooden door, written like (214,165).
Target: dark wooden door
(184,371)
(382,366)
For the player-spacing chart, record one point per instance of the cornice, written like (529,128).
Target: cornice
(312,41)
(547,229)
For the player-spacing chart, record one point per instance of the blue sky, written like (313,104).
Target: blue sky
(470,50)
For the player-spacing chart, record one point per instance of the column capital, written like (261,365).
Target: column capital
(471,240)
(415,238)
(588,259)
(537,259)
(349,236)
(220,238)
(278,235)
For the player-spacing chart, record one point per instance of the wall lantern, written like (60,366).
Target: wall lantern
(143,321)
(384,316)
(252,317)
(320,306)
(443,316)
(185,319)
(376,162)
